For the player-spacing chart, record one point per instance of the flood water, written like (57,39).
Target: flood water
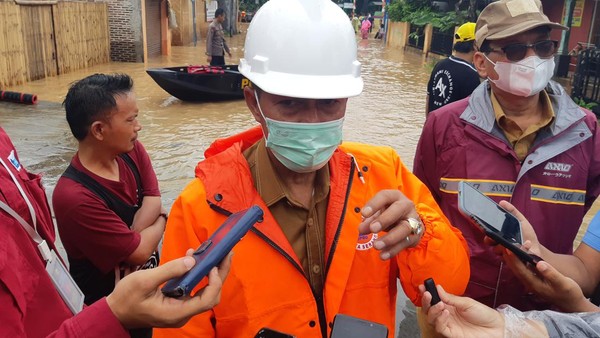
(389,112)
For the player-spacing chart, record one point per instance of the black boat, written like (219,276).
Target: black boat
(201,83)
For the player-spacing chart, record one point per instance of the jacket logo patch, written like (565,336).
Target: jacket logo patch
(12,158)
(562,167)
(365,242)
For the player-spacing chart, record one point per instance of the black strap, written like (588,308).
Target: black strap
(116,204)
(136,173)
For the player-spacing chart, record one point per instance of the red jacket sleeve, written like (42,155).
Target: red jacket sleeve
(96,320)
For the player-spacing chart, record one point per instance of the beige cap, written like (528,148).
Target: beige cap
(505,18)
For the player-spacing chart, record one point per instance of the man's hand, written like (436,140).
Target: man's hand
(388,211)
(461,316)
(138,302)
(549,284)
(530,240)
(229,53)
(209,59)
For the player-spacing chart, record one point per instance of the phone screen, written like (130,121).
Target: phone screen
(265,332)
(345,326)
(486,210)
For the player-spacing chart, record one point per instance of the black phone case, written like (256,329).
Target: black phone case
(213,250)
(523,256)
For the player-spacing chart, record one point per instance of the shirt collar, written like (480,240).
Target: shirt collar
(271,188)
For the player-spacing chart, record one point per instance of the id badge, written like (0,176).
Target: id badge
(66,286)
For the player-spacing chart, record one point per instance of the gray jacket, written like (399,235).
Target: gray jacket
(215,40)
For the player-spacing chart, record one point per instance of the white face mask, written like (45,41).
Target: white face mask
(302,147)
(523,78)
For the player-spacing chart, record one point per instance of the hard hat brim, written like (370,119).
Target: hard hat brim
(306,86)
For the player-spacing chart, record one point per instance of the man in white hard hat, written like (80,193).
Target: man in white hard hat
(342,221)
(518,137)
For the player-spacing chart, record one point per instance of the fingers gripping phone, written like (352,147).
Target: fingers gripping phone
(213,250)
(497,223)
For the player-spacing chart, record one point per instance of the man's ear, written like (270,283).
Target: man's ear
(252,104)
(479,61)
(97,130)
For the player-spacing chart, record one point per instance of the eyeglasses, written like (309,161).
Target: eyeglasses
(518,51)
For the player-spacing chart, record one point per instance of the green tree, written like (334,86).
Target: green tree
(422,12)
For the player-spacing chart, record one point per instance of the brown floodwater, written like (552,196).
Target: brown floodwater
(389,112)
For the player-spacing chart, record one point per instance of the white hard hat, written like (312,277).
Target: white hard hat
(302,48)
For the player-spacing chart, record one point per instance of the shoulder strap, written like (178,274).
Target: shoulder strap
(91,184)
(136,174)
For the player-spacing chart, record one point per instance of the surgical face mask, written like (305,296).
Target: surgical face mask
(523,78)
(302,147)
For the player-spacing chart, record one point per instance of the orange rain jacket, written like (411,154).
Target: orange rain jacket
(267,286)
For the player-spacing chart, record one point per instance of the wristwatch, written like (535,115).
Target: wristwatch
(415,225)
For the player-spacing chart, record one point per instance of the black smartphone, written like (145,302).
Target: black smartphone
(430,286)
(345,326)
(265,332)
(213,250)
(497,223)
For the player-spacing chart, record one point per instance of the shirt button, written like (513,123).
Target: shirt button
(316,269)
(310,222)
(312,323)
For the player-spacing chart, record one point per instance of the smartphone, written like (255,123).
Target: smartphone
(265,332)
(430,286)
(497,223)
(213,250)
(345,326)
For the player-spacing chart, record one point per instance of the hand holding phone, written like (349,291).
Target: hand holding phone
(213,250)
(497,223)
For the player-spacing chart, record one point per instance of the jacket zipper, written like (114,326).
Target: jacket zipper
(318,298)
(339,228)
(321,305)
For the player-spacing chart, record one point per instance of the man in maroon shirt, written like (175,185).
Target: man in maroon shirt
(30,305)
(107,203)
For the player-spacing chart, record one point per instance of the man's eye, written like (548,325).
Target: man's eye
(328,102)
(287,103)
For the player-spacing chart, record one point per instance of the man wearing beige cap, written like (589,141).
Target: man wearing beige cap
(518,137)
(454,78)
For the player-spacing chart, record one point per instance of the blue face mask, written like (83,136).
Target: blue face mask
(302,147)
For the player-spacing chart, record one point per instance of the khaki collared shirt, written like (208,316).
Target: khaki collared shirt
(522,140)
(303,226)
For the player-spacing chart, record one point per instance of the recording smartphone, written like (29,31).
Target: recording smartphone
(345,326)
(213,250)
(496,222)
(265,332)
(430,286)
